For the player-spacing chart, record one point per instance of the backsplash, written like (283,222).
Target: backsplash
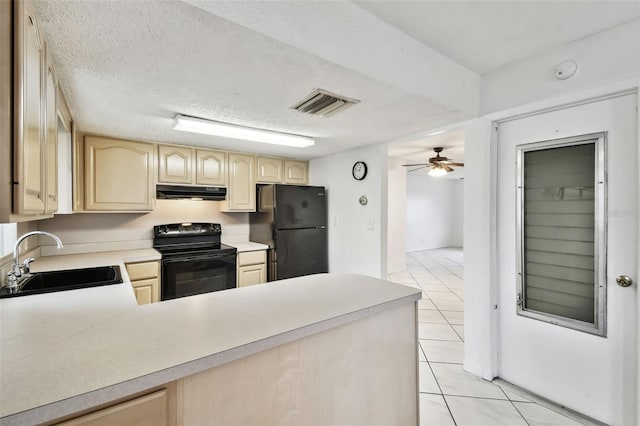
(84,232)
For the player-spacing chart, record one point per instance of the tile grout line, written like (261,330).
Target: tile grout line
(441,393)
(514,406)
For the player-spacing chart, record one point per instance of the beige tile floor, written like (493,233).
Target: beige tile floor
(449,396)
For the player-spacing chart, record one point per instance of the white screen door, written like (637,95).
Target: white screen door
(582,370)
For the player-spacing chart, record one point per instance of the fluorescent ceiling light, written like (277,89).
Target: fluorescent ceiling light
(216,128)
(437,172)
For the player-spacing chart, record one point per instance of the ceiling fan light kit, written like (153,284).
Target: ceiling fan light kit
(440,165)
(217,128)
(437,172)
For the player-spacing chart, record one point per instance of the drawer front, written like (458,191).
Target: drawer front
(140,271)
(252,257)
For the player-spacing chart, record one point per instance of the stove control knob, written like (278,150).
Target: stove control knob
(216,228)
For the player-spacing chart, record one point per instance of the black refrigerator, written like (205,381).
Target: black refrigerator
(292,221)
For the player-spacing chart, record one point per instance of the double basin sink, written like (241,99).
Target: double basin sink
(71,279)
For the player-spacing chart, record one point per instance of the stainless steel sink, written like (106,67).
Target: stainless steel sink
(71,279)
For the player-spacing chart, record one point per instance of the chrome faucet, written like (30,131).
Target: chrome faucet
(19,271)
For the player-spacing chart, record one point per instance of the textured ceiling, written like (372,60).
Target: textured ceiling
(485,35)
(127,67)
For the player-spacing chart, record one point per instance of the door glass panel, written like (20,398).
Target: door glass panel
(561,232)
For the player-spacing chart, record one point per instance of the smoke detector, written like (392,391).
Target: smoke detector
(323,103)
(565,70)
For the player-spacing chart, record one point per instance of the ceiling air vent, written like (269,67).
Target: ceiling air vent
(323,103)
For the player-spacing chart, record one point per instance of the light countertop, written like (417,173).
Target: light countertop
(243,246)
(68,351)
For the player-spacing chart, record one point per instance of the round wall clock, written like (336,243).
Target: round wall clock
(359,170)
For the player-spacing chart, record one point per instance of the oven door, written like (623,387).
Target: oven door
(189,274)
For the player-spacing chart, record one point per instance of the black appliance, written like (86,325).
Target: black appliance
(193,259)
(178,192)
(292,221)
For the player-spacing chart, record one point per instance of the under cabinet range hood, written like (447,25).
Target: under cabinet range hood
(175,192)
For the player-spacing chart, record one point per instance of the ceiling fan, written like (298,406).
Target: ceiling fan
(440,166)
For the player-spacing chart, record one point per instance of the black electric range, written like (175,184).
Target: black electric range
(194,261)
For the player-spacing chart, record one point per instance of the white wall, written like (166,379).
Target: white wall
(457,231)
(432,219)
(602,58)
(353,246)
(115,231)
(396,216)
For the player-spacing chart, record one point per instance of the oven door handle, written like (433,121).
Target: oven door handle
(196,257)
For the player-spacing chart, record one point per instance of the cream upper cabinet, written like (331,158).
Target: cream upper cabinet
(296,172)
(35,144)
(175,164)
(29,142)
(211,167)
(118,175)
(269,170)
(241,194)
(51,141)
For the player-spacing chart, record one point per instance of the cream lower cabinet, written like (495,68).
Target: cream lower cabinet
(154,409)
(119,175)
(145,280)
(252,268)
(241,193)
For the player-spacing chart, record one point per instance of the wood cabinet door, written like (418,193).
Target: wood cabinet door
(211,167)
(52,141)
(241,194)
(148,410)
(175,164)
(269,170)
(251,275)
(118,175)
(146,291)
(29,148)
(296,172)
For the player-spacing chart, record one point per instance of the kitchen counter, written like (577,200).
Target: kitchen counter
(243,246)
(33,323)
(62,353)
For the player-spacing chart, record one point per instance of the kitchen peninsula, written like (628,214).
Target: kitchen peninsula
(271,354)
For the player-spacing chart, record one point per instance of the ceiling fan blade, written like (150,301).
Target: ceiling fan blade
(419,168)
(446,167)
(414,165)
(456,164)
